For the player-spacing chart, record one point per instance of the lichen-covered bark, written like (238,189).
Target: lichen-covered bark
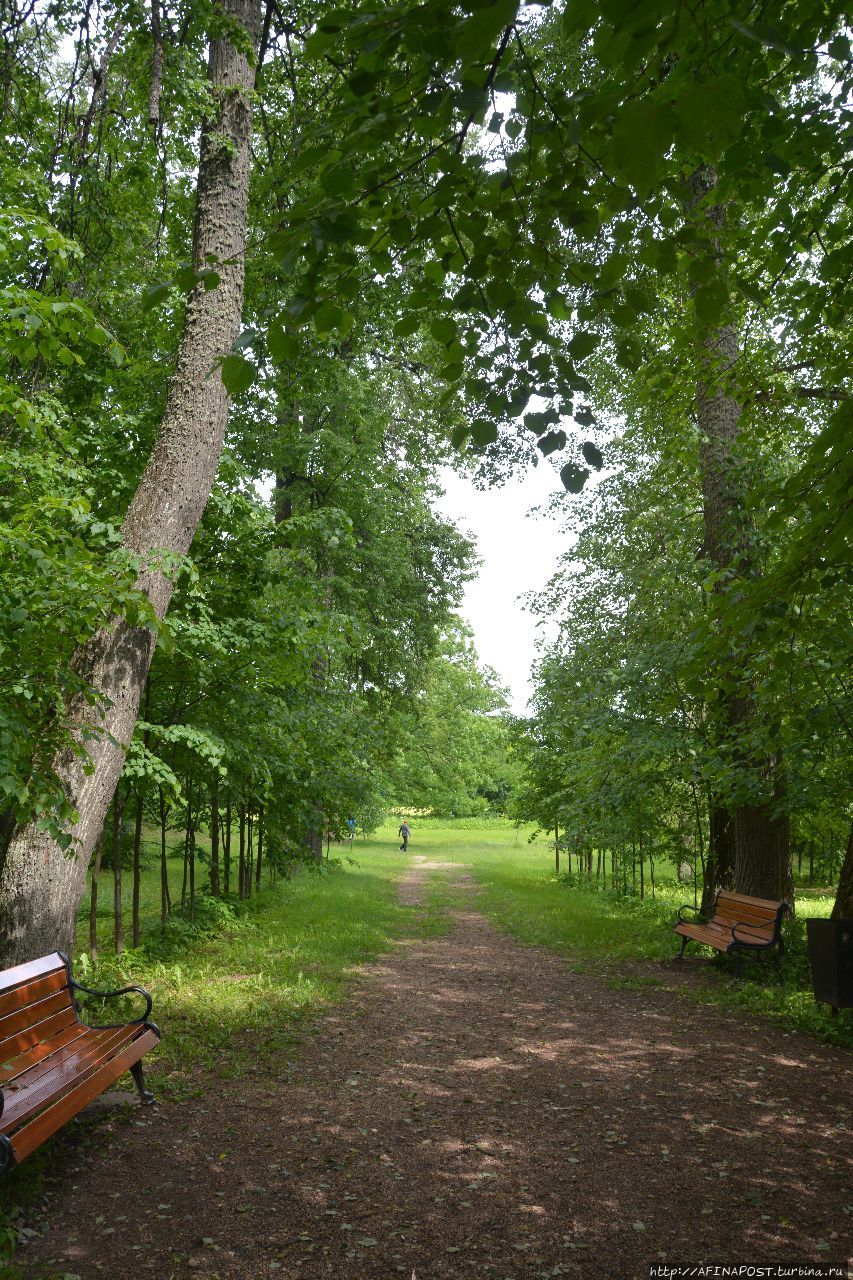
(40,884)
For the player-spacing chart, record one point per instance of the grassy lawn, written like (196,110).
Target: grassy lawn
(596,930)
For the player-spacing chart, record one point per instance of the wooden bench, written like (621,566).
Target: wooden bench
(52,1064)
(739,924)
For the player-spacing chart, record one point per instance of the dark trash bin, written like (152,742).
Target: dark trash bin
(831,952)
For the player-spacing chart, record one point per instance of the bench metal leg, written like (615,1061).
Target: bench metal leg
(146,1097)
(684,942)
(7,1154)
(738,963)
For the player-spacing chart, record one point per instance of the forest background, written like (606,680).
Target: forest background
(249,247)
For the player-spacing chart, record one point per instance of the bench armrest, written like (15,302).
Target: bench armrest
(687,907)
(107,995)
(751,942)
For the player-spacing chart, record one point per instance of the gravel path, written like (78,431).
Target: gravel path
(477,1109)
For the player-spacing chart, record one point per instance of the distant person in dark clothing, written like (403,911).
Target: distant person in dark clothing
(405,833)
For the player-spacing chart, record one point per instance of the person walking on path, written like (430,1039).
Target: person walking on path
(405,832)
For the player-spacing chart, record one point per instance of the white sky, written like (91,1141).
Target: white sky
(519,554)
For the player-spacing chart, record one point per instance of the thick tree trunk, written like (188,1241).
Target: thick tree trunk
(760,840)
(720,863)
(843,909)
(41,883)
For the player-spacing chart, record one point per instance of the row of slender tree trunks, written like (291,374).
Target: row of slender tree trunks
(632,864)
(627,863)
(244,875)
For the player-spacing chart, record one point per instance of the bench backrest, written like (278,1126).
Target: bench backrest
(761,917)
(35,1004)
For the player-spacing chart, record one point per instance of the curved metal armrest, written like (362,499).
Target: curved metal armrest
(687,907)
(123,991)
(750,942)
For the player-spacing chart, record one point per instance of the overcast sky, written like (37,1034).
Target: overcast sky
(519,554)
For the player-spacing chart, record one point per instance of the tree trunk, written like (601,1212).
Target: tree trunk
(843,909)
(260,847)
(250,855)
(137,850)
(191,851)
(165,901)
(720,863)
(41,883)
(93,902)
(241,869)
(226,849)
(556,849)
(761,848)
(642,870)
(187,837)
(119,930)
(214,840)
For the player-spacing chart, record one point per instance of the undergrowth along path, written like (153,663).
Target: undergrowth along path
(477,1109)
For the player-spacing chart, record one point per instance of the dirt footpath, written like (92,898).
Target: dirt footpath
(477,1109)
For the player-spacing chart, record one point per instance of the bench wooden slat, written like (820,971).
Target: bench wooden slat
(726,894)
(33,1134)
(708,936)
(34,1035)
(32,1015)
(734,916)
(62,1073)
(21,997)
(15,1066)
(32,969)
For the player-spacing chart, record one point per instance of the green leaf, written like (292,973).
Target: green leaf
(484,431)
(238,374)
(710,301)
(330,318)
(583,344)
(154,295)
(282,346)
(476,36)
(551,442)
(642,135)
(839,47)
(764,33)
(592,455)
(444,330)
(407,326)
(573,477)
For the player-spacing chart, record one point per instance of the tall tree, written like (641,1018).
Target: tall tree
(43,878)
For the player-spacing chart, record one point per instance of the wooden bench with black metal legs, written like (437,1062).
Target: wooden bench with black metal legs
(739,924)
(52,1064)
